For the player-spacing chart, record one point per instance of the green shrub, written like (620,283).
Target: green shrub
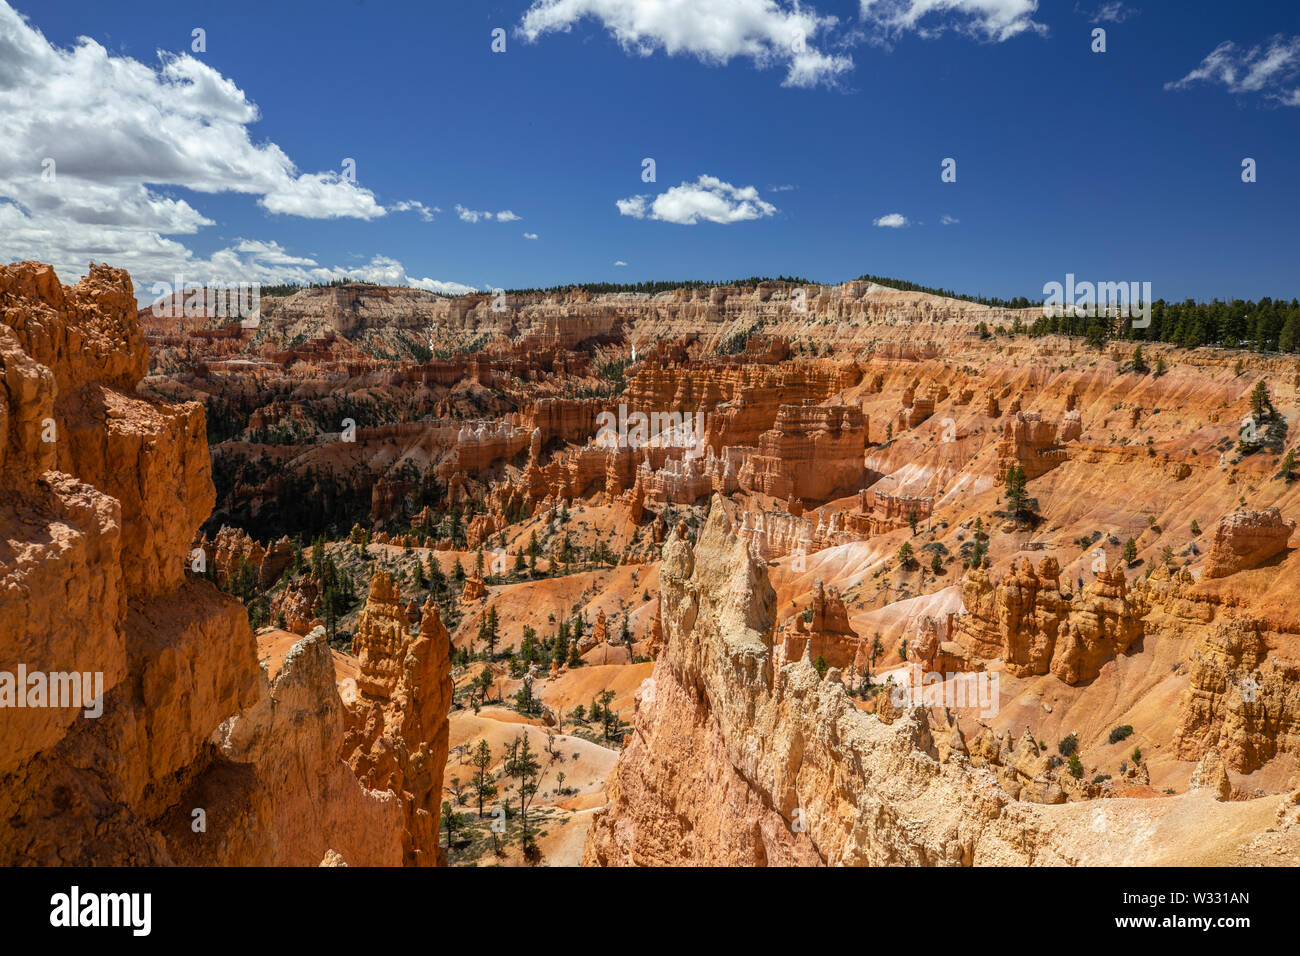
(1121,733)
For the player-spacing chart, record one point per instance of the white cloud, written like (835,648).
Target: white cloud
(633,206)
(894,220)
(945,220)
(708,198)
(1112,11)
(118,134)
(474,215)
(712,31)
(407,205)
(780,189)
(991,20)
(530,235)
(249,260)
(117,128)
(1271,69)
(620,262)
(446,288)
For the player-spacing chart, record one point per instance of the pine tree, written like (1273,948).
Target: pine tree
(1139,363)
(437,580)
(560,646)
(1289,338)
(1015,489)
(1259,400)
(905,555)
(1287,472)
(451,821)
(488,631)
(521,764)
(484,788)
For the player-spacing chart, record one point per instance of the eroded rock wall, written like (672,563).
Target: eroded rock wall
(188,751)
(797,774)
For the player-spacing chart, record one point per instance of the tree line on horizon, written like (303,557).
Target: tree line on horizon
(1267,325)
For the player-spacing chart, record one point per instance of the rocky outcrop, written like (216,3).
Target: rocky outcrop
(102,493)
(599,634)
(182,749)
(812,452)
(1246,539)
(1241,702)
(231,549)
(475,589)
(798,775)
(280,795)
(1027,620)
(1031,443)
(295,606)
(397,728)
(826,634)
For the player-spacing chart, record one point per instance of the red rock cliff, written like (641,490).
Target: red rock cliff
(189,752)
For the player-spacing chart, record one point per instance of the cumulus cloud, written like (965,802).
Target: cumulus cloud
(530,235)
(261,262)
(945,220)
(93,141)
(1270,69)
(708,198)
(990,20)
(712,31)
(474,215)
(620,262)
(445,288)
(893,220)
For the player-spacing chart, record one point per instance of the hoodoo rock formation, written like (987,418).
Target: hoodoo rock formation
(799,775)
(1035,627)
(825,634)
(397,736)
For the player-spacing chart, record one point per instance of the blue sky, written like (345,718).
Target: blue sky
(1067,160)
